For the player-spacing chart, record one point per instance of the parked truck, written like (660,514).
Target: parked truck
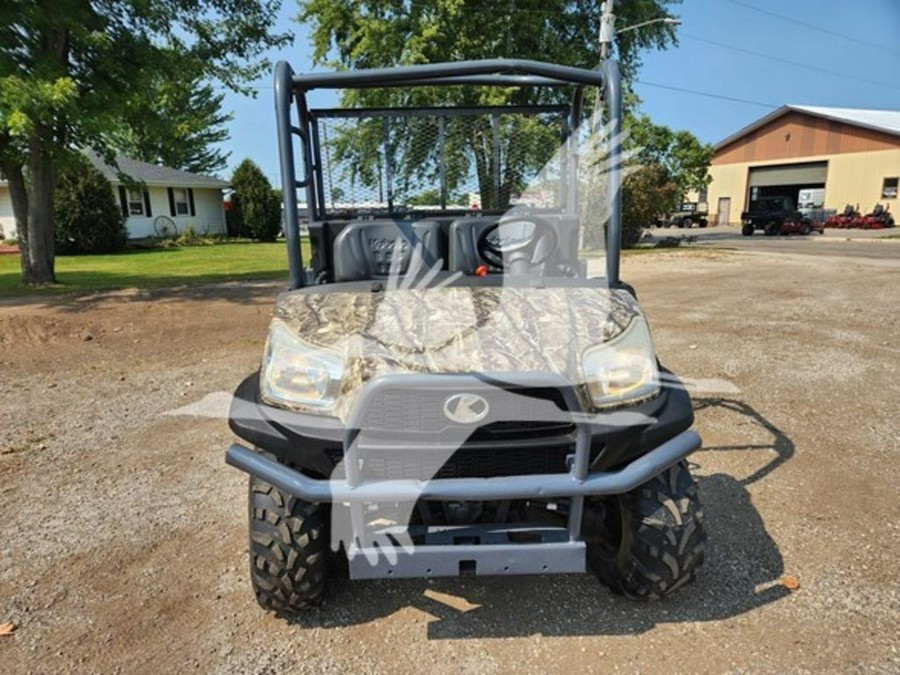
(774,216)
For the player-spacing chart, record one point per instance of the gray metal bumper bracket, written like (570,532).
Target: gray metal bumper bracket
(463,559)
(560,551)
(513,487)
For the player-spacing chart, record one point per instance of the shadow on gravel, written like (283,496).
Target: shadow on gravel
(233,289)
(741,573)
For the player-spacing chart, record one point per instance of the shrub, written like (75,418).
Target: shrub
(190,237)
(255,206)
(87,217)
(234,218)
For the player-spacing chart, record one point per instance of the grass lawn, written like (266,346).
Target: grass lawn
(155,268)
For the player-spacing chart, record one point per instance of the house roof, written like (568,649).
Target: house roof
(153,174)
(885,121)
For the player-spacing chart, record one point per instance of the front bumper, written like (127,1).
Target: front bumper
(605,454)
(546,486)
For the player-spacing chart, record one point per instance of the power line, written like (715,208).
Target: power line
(892,85)
(707,94)
(825,31)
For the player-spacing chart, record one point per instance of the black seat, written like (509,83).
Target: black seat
(365,249)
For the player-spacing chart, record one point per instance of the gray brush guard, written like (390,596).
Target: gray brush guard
(481,550)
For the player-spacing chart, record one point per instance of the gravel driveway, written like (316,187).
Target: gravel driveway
(123,533)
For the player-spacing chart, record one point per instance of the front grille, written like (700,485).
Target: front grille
(515,430)
(404,433)
(467,462)
(514,413)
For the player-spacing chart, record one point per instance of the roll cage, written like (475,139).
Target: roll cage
(290,102)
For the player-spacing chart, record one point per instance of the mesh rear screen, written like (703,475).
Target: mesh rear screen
(447,158)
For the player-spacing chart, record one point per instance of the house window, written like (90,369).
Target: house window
(889,189)
(135,203)
(182,203)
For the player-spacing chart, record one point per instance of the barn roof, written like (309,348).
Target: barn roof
(885,121)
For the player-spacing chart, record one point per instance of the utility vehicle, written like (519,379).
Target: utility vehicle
(445,389)
(774,216)
(687,215)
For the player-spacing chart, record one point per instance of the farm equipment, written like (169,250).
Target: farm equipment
(445,391)
(845,219)
(878,219)
(851,218)
(687,215)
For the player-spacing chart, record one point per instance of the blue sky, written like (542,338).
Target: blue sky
(850,50)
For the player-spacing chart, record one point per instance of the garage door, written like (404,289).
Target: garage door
(811,173)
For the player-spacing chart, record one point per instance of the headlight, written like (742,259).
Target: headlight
(295,372)
(623,370)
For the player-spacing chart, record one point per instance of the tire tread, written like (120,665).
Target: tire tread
(287,549)
(663,538)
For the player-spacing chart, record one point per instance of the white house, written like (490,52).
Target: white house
(187,199)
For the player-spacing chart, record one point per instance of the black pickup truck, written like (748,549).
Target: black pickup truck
(775,215)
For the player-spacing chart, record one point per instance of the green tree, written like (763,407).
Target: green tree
(256,207)
(176,120)
(375,33)
(87,217)
(685,159)
(70,69)
(646,193)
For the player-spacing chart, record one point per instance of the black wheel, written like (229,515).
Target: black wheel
(704,222)
(687,222)
(651,540)
(806,228)
(772,229)
(747,230)
(288,549)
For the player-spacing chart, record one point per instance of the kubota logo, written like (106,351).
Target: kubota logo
(466,408)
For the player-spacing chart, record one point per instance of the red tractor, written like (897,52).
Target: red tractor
(845,219)
(880,218)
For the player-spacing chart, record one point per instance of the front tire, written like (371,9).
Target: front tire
(772,229)
(288,549)
(747,230)
(653,538)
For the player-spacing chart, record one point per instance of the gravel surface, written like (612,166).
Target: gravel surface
(123,533)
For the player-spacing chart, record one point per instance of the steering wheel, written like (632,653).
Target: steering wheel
(518,244)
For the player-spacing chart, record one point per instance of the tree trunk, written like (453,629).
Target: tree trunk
(37,255)
(52,59)
(481,149)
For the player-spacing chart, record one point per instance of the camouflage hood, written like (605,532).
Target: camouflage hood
(455,329)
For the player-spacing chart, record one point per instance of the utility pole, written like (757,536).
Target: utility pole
(607,28)
(607,35)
